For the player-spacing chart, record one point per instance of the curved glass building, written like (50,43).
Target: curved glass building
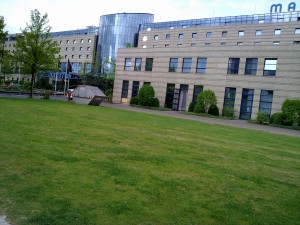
(118,30)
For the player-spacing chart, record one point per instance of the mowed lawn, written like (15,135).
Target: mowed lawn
(62,164)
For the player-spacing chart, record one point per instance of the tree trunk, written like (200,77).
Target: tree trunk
(31,86)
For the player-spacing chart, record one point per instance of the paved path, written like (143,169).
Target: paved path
(3,221)
(233,123)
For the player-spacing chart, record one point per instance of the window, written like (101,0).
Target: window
(72,56)
(124,93)
(297,31)
(87,56)
(171,27)
(167,45)
(239,43)
(145,38)
(246,104)
(180,36)
(209,34)
(194,35)
(198,89)
(258,32)
(251,66)
(73,48)
(276,42)
(88,48)
(60,42)
(89,40)
(74,41)
(184,26)
(229,97)
(138,64)
(241,33)
(193,44)
(173,64)
(80,49)
(154,46)
(270,67)
(155,37)
(66,56)
(81,41)
(169,100)
(127,64)
(179,45)
(67,41)
(277,31)
(187,65)
(144,46)
(265,103)
(223,43)
(67,49)
(233,66)
(224,33)
(257,43)
(149,64)
(135,88)
(149,29)
(201,65)
(296,42)
(167,36)
(207,44)
(79,56)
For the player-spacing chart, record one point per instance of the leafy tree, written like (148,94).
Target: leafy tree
(3,35)
(35,49)
(291,110)
(206,99)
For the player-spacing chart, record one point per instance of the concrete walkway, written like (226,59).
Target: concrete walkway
(233,123)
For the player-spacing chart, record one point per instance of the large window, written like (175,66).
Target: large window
(138,64)
(186,65)
(229,97)
(270,67)
(135,88)
(246,104)
(251,66)
(233,66)
(209,34)
(127,64)
(173,64)
(297,31)
(169,95)
(201,65)
(197,90)
(149,64)
(194,35)
(265,104)
(168,36)
(125,89)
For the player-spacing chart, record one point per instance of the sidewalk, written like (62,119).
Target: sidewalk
(233,123)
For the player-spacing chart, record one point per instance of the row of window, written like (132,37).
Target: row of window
(265,103)
(75,41)
(73,56)
(80,48)
(239,43)
(270,65)
(240,33)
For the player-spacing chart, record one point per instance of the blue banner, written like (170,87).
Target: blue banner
(60,75)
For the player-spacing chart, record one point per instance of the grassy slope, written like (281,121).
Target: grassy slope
(63,163)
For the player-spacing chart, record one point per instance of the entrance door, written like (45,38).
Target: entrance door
(176,98)
(183,97)
(246,104)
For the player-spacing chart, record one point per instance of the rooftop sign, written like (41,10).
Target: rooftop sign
(277,8)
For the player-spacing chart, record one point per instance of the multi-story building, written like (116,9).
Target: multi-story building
(251,62)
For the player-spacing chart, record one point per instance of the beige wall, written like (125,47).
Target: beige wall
(285,84)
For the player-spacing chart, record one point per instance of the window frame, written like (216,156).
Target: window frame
(127,64)
(149,67)
(233,67)
(173,61)
(201,65)
(251,66)
(138,67)
(186,65)
(270,72)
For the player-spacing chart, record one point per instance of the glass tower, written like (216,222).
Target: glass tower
(118,31)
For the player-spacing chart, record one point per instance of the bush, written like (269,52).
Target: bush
(109,94)
(262,118)
(134,101)
(291,111)
(213,110)
(206,99)
(49,87)
(228,112)
(146,95)
(191,107)
(198,108)
(155,102)
(277,118)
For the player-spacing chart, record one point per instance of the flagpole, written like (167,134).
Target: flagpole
(66,78)
(55,81)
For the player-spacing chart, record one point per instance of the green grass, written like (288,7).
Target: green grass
(62,163)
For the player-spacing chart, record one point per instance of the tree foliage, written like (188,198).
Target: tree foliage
(35,50)
(291,110)
(3,34)
(206,99)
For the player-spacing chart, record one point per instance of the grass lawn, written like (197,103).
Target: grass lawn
(62,164)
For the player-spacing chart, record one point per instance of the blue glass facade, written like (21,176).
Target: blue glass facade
(119,31)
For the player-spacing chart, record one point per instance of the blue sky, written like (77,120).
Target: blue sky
(76,14)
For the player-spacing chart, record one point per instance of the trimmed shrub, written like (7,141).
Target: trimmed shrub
(291,111)
(134,101)
(47,94)
(213,110)
(154,102)
(228,112)
(277,118)
(146,93)
(206,99)
(109,94)
(191,107)
(262,118)
(198,108)
(49,87)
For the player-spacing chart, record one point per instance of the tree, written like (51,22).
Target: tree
(35,49)
(291,110)
(3,35)
(206,99)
